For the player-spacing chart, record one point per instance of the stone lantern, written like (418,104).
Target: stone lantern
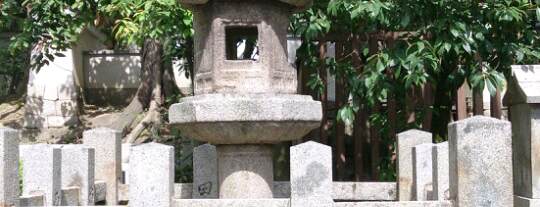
(245,89)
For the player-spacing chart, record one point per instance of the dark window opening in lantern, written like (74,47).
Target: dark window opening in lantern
(242,43)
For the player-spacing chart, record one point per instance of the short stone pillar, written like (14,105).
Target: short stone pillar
(151,175)
(107,146)
(441,188)
(42,165)
(205,172)
(480,153)
(405,142)
(523,101)
(245,171)
(423,172)
(78,171)
(311,175)
(9,167)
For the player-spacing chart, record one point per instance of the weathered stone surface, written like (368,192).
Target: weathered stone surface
(183,190)
(525,202)
(396,204)
(33,106)
(67,92)
(232,203)
(9,167)
(66,108)
(151,175)
(78,171)
(107,145)
(205,172)
(301,4)
(523,85)
(405,141)
(35,90)
(42,171)
(101,190)
(365,191)
(282,189)
(441,182)
(70,196)
(423,172)
(480,154)
(60,121)
(311,174)
(245,171)
(246,119)
(48,108)
(51,92)
(38,199)
(33,121)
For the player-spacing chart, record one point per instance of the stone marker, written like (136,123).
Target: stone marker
(523,99)
(480,152)
(311,175)
(70,196)
(42,172)
(423,172)
(78,171)
(107,145)
(9,167)
(205,175)
(38,199)
(441,188)
(405,141)
(151,175)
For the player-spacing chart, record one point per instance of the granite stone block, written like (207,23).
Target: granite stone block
(9,167)
(441,182)
(480,154)
(364,191)
(405,141)
(423,172)
(78,171)
(151,175)
(42,171)
(107,146)
(205,174)
(311,175)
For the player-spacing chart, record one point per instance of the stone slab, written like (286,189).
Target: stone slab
(366,191)
(78,171)
(311,174)
(205,172)
(282,189)
(232,203)
(101,190)
(396,204)
(523,85)
(183,190)
(48,108)
(441,181)
(51,92)
(246,119)
(66,108)
(480,154)
(67,92)
(42,171)
(525,202)
(405,141)
(60,121)
(35,90)
(107,145)
(32,200)
(423,172)
(9,167)
(70,196)
(300,4)
(151,175)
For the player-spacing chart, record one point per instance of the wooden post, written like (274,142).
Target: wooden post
(496,105)
(323,130)
(375,128)
(426,103)
(478,103)
(461,102)
(340,126)
(359,129)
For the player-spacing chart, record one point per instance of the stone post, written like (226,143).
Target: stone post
(151,175)
(523,101)
(480,152)
(205,172)
(9,167)
(441,184)
(42,168)
(311,175)
(107,145)
(423,172)
(405,141)
(78,171)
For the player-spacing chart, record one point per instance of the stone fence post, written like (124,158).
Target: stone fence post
(108,166)
(523,101)
(42,171)
(311,175)
(480,154)
(151,175)
(405,142)
(9,167)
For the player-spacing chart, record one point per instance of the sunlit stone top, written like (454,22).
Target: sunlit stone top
(299,5)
